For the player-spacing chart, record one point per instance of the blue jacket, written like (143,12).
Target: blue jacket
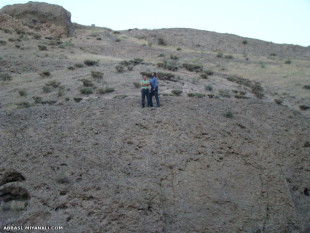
(153,82)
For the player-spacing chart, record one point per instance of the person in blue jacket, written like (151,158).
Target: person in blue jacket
(154,90)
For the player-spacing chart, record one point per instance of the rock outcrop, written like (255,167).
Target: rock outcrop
(44,18)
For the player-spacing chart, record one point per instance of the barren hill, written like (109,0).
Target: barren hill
(227,151)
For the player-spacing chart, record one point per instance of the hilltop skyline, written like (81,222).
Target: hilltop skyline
(285,22)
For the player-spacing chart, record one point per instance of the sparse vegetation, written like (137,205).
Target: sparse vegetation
(306,87)
(177,92)
(117,40)
(173,57)
(23,104)
(136,84)
(3,42)
(228,56)
(5,77)
(304,107)
(288,62)
(161,41)
(258,90)
(208,88)
(78,65)
(204,76)
(37,99)
(278,101)
(102,91)
(87,83)
(22,92)
(119,97)
(45,74)
(48,87)
(42,47)
(228,114)
(71,68)
(219,54)
(120,68)
(224,93)
(168,65)
(91,62)
(86,90)
(161,55)
(97,74)
(198,95)
(193,67)
(262,64)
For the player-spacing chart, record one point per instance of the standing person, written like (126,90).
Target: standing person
(145,91)
(154,90)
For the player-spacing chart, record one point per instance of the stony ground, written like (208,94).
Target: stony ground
(110,166)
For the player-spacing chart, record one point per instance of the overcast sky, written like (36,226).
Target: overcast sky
(279,21)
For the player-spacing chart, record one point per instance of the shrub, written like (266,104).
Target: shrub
(278,101)
(272,54)
(176,92)
(22,92)
(198,95)
(90,62)
(77,99)
(109,89)
(5,77)
(47,89)
(262,64)
(219,54)
(87,83)
(209,72)
(45,73)
(306,87)
(258,90)
(193,67)
(3,42)
(208,88)
(244,42)
(228,114)
(161,55)
(23,105)
(78,65)
(97,74)
(136,84)
(224,93)
(117,40)
(120,97)
(71,68)
(288,62)
(168,65)
(120,68)
(42,47)
(229,56)
(304,107)
(161,41)
(37,99)
(102,91)
(60,91)
(86,90)
(204,76)
(173,57)
(178,49)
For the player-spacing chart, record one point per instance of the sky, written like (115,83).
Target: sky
(278,21)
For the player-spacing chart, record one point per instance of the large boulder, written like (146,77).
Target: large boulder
(42,17)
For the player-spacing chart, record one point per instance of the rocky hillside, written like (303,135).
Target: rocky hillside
(219,42)
(227,151)
(38,18)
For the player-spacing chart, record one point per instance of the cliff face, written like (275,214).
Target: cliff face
(108,166)
(41,17)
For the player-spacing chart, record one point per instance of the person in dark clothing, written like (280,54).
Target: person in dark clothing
(154,90)
(145,91)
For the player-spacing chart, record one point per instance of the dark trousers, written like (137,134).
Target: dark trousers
(145,93)
(154,93)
